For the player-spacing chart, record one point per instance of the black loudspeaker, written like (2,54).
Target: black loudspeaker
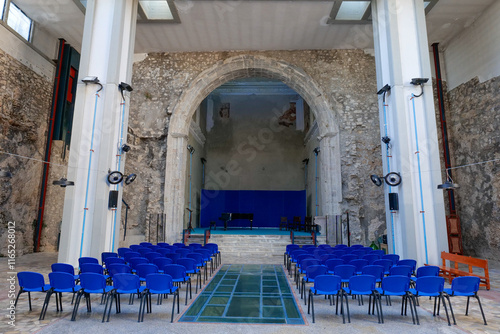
(113,199)
(393,201)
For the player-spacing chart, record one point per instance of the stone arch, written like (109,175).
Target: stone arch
(240,67)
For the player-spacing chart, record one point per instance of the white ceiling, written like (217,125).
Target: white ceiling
(215,25)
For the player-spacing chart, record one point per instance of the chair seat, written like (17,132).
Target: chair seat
(37,289)
(389,293)
(106,290)
(425,294)
(75,289)
(140,290)
(160,292)
(323,292)
(457,293)
(356,292)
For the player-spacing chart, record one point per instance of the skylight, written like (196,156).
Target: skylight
(352,10)
(18,21)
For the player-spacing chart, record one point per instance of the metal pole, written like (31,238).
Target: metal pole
(348,231)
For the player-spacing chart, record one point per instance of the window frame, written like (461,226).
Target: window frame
(5,17)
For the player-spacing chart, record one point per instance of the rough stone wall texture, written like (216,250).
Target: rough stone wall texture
(25,99)
(474,129)
(346,76)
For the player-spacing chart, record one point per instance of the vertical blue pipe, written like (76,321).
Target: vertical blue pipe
(85,209)
(388,171)
(316,179)
(190,176)
(420,178)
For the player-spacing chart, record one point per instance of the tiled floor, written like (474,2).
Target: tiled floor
(158,321)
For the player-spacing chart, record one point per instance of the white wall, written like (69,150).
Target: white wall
(20,50)
(476,51)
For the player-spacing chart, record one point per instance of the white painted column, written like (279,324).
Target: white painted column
(99,126)
(330,176)
(418,229)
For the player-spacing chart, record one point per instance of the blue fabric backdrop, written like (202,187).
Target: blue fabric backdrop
(267,206)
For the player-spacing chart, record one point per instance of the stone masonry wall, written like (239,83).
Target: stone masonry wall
(25,99)
(346,76)
(474,131)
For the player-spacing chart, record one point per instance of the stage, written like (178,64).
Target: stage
(248,231)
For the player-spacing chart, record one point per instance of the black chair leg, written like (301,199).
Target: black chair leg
(17,298)
(481,308)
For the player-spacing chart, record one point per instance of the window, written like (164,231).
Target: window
(16,19)
(2,5)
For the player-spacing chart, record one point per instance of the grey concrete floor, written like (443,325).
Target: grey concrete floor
(159,320)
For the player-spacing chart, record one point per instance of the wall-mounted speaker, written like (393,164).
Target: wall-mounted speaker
(393,201)
(113,199)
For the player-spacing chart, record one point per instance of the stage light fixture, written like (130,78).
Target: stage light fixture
(384,89)
(115,177)
(190,149)
(376,180)
(92,80)
(393,179)
(130,178)
(5,173)
(448,184)
(125,148)
(63,182)
(317,150)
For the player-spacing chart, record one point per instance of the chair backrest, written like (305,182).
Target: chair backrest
(163,244)
(184,251)
(430,284)
(427,271)
(118,268)
(357,246)
(151,256)
(159,282)
(204,252)
(61,280)
(122,250)
(126,283)
(396,283)
(374,270)
(179,245)
(362,283)
(465,284)
(302,257)
(173,256)
(379,252)
(197,257)
(315,270)
(195,245)
(326,257)
(213,245)
(296,219)
(324,246)
(145,244)
(400,271)
(134,247)
(93,281)
(296,252)
(386,263)
(340,246)
(111,260)
(30,279)
(175,270)
(163,251)
(408,262)
(359,264)
(393,257)
(332,263)
(284,219)
(154,248)
(308,246)
(306,263)
(136,261)
(359,253)
(330,283)
(188,263)
(105,255)
(210,247)
(129,255)
(348,257)
(91,268)
(337,252)
(145,269)
(63,267)
(87,259)
(162,261)
(345,271)
(318,252)
(371,257)
(144,250)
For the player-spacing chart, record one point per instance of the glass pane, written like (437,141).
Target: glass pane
(156,9)
(352,10)
(18,21)
(2,5)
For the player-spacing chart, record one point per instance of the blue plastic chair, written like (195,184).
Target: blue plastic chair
(465,286)
(359,264)
(87,259)
(340,246)
(163,251)
(123,284)
(159,284)
(64,268)
(194,245)
(122,250)
(143,250)
(91,268)
(292,259)
(328,285)
(59,282)
(144,269)
(348,257)
(359,253)
(134,248)
(386,263)
(374,270)
(345,271)
(136,261)
(179,244)
(173,256)
(163,244)
(183,251)
(145,244)
(207,257)
(338,252)
(425,271)
(298,266)
(179,276)
(215,250)
(379,252)
(118,268)
(111,260)
(127,256)
(398,286)
(332,263)
(364,285)
(198,258)
(90,283)
(151,256)
(29,282)
(105,255)
(312,271)
(400,271)
(430,286)
(393,257)
(191,269)
(318,252)
(161,262)
(408,262)
(357,246)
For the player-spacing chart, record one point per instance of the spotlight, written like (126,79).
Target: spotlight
(125,86)
(5,173)
(115,177)
(386,140)
(92,80)
(393,179)
(317,150)
(63,182)
(384,89)
(305,161)
(419,81)
(130,178)
(376,180)
(448,184)
(203,160)
(190,149)
(125,148)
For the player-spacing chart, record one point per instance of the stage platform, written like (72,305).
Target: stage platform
(247,231)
